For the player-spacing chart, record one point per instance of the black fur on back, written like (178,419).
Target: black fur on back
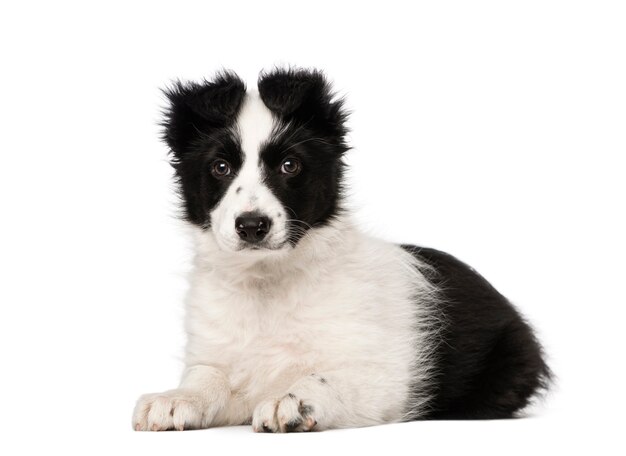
(488,362)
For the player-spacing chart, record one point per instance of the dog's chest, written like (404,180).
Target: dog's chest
(263,337)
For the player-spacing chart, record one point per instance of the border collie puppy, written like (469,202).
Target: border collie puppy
(296,320)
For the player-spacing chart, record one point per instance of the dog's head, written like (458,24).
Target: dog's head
(257,170)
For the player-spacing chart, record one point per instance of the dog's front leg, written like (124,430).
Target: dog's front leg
(314,402)
(202,393)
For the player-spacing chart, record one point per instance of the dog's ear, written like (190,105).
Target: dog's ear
(196,108)
(302,94)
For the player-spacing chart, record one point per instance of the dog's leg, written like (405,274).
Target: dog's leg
(312,403)
(203,391)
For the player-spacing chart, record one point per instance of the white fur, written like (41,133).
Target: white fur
(331,333)
(254,126)
(341,305)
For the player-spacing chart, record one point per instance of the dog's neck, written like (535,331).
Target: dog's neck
(273,267)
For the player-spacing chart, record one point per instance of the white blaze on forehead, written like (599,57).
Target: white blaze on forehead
(248,191)
(255,124)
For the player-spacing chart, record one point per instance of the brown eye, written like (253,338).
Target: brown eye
(220,168)
(290,166)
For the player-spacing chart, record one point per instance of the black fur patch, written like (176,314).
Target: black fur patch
(306,410)
(312,130)
(488,363)
(196,130)
(267,429)
(293,425)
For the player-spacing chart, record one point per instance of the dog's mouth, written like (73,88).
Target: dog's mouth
(276,241)
(261,247)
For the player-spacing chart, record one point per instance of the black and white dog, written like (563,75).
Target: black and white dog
(296,320)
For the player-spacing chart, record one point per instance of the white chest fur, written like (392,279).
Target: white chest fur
(340,301)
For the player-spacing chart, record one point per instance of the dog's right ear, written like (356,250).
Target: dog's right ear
(197,108)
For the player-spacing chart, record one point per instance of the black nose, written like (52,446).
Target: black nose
(252,226)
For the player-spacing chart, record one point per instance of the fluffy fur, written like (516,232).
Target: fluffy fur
(296,320)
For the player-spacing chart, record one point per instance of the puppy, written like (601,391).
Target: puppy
(296,320)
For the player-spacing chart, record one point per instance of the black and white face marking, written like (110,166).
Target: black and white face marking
(197,130)
(258,170)
(249,215)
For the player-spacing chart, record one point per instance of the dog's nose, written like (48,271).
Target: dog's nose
(252,227)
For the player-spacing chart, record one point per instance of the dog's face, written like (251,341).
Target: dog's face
(257,171)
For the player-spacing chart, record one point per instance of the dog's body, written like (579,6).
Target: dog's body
(296,320)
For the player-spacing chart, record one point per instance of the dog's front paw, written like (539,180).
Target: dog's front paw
(288,414)
(175,409)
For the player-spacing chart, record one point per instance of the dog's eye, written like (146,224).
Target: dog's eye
(220,168)
(290,166)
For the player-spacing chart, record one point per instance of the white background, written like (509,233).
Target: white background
(493,130)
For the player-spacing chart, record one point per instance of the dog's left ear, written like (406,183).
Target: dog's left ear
(304,95)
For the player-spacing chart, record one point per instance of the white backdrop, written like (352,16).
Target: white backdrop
(493,130)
